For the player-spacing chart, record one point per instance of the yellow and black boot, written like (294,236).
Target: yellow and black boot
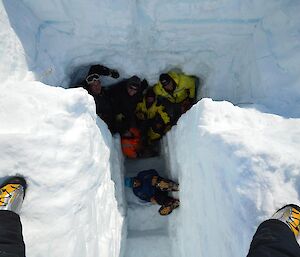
(167,185)
(12,193)
(168,208)
(290,215)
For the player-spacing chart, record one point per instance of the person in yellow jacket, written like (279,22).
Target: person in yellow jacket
(176,91)
(152,117)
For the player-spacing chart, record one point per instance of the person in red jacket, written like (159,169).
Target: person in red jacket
(131,143)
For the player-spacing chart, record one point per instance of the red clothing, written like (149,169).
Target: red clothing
(131,145)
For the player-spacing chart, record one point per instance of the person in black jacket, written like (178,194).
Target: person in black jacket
(92,84)
(124,96)
(151,187)
(276,237)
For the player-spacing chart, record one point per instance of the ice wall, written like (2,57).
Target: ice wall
(53,137)
(236,167)
(50,136)
(245,51)
(13,63)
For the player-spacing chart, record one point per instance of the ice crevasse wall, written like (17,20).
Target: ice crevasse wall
(245,53)
(242,49)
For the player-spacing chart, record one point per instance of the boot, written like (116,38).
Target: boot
(167,209)
(12,193)
(290,215)
(167,185)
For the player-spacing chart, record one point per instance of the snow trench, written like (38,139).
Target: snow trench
(244,52)
(239,48)
(140,40)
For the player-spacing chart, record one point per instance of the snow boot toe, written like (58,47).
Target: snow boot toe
(290,215)
(12,193)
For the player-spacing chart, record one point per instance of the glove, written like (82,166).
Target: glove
(140,115)
(153,200)
(120,117)
(114,73)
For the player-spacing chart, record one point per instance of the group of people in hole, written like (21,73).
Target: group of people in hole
(139,113)
(142,114)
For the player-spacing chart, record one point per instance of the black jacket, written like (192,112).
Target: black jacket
(145,191)
(104,109)
(125,104)
(103,103)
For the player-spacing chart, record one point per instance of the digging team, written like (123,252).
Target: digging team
(132,105)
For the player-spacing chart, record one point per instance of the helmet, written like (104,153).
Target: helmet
(128,182)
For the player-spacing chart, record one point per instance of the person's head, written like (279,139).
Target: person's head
(133,85)
(94,83)
(167,82)
(150,96)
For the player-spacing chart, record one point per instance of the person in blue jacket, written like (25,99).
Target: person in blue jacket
(151,187)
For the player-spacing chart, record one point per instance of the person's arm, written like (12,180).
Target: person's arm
(189,83)
(164,116)
(104,71)
(139,111)
(140,194)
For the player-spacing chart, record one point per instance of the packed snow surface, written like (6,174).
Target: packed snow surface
(236,164)
(50,136)
(236,167)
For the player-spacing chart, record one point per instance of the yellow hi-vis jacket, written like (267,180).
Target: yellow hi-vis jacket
(185,88)
(144,113)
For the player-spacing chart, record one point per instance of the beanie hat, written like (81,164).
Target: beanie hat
(165,79)
(134,82)
(128,182)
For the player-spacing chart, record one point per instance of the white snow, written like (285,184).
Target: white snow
(235,164)
(236,167)
(50,136)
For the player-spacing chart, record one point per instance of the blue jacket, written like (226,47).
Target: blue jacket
(145,191)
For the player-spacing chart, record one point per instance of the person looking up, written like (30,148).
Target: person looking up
(152,118)
(93,85)
(150,187)
(124,97)
(96,71)
(176,91)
